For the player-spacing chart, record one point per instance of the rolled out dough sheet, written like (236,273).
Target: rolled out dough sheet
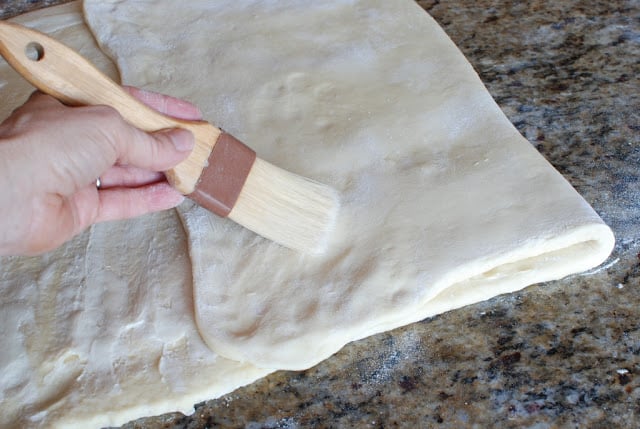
(443,202)
(102,330)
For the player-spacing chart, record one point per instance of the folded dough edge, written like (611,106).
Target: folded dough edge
(385,108)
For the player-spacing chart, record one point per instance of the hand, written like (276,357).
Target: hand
(52,154)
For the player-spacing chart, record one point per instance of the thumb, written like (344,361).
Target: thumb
(158,151)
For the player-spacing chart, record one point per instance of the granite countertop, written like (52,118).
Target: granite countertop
(9,8)
(559,354)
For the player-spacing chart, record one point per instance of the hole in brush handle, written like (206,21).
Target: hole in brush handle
(34,51)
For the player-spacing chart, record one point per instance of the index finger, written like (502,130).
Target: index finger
(166,104)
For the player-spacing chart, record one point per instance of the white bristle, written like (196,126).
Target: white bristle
(284,207)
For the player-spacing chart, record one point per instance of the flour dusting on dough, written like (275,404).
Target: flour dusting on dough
(443,202)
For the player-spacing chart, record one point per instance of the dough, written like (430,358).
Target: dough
(102,330)
(443,202)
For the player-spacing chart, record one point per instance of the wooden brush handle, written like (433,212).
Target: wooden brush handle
(59,71)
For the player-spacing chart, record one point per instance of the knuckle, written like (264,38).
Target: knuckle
(106,126)
(105,113)
(151,148)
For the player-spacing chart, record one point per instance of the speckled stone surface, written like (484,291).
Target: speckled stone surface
(560,354)
(9,8)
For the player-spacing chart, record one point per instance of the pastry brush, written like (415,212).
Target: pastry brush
(221,174)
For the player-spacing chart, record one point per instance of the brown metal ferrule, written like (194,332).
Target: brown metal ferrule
(222,180)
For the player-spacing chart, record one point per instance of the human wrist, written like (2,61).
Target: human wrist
(9,201)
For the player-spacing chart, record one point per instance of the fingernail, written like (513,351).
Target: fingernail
(182,140)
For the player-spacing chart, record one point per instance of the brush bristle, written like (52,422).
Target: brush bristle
(284,207)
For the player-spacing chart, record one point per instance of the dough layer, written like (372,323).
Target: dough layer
(444,203)
(102,330)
